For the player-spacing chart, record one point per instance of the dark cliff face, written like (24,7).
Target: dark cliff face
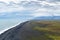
(33,30)
(13,33)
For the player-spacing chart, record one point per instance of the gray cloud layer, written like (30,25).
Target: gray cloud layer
(39,6)
(50,0)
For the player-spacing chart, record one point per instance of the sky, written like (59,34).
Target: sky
(29,8)
(14,11)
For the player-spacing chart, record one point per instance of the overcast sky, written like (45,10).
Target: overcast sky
(25,9)
(35,8)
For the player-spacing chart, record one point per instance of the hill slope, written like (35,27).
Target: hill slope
(33,30)
(48,18)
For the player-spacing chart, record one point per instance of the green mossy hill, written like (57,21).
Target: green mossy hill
(34,30)
(50,30)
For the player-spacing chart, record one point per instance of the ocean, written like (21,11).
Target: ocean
(9,23)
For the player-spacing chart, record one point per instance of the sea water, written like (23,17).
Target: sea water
(8,23)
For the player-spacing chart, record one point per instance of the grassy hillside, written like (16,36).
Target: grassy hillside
(49,30)
(34,30)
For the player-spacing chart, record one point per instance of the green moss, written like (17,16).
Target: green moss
(51,31)
(40,37)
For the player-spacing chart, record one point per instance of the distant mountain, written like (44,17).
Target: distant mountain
(48,18)
(33,30)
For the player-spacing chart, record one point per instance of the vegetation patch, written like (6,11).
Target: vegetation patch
(50,32)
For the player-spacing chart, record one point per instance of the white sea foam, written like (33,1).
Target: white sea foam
(9,28)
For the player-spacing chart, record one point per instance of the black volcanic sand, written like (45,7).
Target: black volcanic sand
(33,30)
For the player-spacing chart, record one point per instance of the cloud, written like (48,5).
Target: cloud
(28,9)
(50,0)
(53,1)
(39,7)
(7,1)
(11,9)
